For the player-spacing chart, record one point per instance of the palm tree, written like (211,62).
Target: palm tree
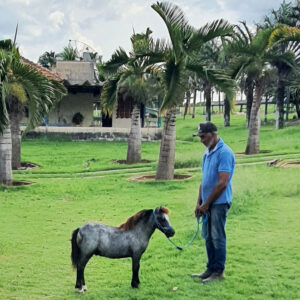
(21,83)
(48,60)
(288,15)
(185,45)
(131,80)
(69,53)
(256,58)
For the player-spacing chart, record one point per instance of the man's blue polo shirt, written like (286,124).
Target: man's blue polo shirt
(220,159)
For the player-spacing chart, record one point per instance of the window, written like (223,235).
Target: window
(97,114)
(124,108)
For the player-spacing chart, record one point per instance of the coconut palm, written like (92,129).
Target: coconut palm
(131,80)
(186,43)
(21,84)
(256,58)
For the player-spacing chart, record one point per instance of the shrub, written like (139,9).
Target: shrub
(77,118)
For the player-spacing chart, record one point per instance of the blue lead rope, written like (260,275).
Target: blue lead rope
(204,221)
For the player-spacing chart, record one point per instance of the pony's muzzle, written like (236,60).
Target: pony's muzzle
(170,232)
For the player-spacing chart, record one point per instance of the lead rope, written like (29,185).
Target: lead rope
(204,221)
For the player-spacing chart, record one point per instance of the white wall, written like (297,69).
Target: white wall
(71,104)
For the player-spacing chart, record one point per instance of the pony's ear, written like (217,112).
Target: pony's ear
(164,210)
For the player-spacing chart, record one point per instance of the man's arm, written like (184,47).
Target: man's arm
(223,179)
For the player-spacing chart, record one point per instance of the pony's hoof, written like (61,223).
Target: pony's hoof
(84,287)
(80,291)
(134,285)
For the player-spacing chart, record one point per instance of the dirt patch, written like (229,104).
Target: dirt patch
(19,183)
(123,161)
(152,177)
(244,154)
(28,166)
(284,164)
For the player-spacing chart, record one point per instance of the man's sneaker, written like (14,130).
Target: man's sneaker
(214,277)
(203,275)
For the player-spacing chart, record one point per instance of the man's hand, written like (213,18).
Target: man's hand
(197,209)
(203,209)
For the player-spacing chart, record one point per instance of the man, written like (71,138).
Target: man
(214,200)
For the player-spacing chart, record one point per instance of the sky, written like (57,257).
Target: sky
(105,25)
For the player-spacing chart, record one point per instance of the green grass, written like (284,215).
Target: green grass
(263,226)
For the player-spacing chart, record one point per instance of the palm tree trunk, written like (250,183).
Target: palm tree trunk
(287,104)
(207,95)
(280,101)
(219,98)
(165,167)
(254,122)
(134,140)
(187,103)
(266,109)
(194,103)
(16,141)
(15,110)
(297,108)
(249,87)
(5,157)
(226,112)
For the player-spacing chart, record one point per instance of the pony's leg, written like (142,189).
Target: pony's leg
(78,285)
(135,271)
(80,282)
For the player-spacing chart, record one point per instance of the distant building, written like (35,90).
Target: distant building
(81,106)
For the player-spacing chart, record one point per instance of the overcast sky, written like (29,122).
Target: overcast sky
(106,25)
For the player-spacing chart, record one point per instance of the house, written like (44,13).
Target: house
(79,113)
(83,100)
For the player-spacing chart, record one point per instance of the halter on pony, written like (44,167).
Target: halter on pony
(165,229)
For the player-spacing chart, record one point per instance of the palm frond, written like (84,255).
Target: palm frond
(118,59)
(109,94)
(283,33)
(210,31)
(5,60)
(217,77)
(177,25)
(174,85)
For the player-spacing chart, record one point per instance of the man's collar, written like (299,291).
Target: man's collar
(219,144)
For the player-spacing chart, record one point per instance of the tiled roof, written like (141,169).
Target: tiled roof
(46,72)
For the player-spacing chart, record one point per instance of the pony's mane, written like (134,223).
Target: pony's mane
(165,210)
(132,221)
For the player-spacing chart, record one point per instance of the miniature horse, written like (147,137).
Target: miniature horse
(128,240)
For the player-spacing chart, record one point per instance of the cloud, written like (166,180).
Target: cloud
(107,25)
(57,19)
(133,10)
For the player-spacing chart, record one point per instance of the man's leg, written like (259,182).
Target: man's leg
(206,234)
(210,249)
(218,215)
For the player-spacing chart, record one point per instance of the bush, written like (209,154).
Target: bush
(77,118)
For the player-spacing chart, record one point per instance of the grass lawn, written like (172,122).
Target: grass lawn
(263,227)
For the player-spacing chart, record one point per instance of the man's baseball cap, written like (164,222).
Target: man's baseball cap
(205,127)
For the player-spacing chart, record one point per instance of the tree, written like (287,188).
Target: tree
(288,15)
(69,53)
(21,84)
(255,58)
(186,43)
(48,60)
(130,80)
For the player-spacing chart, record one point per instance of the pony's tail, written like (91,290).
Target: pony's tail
(75,253)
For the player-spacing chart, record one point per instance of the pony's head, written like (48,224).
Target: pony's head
(161,221)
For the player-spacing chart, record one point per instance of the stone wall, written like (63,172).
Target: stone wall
(92,133)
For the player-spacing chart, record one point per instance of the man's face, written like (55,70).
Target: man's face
(207,139)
